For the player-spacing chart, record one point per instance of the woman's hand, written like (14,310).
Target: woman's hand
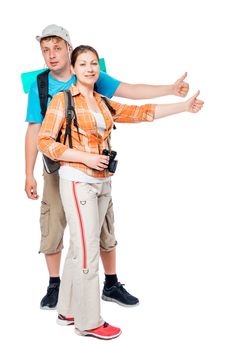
(96,161)
(193,105)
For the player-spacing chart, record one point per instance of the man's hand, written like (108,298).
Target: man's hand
(31,188)
(180,87)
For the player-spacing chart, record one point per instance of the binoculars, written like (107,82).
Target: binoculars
(112,162)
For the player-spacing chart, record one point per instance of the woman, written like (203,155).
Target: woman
(85,184)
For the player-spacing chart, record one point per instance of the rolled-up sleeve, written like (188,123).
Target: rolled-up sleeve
(133,114)
(51,126)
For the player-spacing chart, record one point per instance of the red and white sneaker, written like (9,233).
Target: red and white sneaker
(65,321)
(105,331)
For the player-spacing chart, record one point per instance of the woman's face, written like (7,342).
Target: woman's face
(87,68)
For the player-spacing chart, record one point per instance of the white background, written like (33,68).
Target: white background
(173,191)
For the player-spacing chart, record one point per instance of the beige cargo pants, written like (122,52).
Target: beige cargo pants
(53,220)
(85,206)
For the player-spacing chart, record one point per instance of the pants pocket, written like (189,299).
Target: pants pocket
(44,219)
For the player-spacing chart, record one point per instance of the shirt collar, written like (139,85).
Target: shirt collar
(75,91)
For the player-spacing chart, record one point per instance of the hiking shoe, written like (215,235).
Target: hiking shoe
(50,300)
(105,331)
(65,321)
(118,294)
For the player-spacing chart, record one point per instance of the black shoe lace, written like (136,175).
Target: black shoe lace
(105,325)
(121,288)
(52,288)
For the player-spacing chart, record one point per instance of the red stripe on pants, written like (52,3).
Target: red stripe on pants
(81,224)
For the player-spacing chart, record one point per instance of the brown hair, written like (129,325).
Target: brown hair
(79,50)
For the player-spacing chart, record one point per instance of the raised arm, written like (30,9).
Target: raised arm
(149,112)
(144,91)
(192,105)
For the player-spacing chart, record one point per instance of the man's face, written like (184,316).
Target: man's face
(87,68)
(56,54)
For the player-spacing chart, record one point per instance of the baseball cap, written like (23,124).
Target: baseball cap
(54,30)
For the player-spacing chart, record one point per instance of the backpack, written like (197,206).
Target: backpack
(50,165)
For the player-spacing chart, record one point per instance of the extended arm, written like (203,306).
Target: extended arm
(144,91)
(149,112)
(192,105)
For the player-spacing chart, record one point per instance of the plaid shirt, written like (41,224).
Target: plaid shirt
(88,139)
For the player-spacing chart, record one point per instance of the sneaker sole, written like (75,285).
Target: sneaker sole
(87,334)
(105,298)
(47,308)
(64,322)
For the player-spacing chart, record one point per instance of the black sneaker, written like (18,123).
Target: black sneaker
(49,301)
(118,294)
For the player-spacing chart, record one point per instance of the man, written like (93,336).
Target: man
(56,48)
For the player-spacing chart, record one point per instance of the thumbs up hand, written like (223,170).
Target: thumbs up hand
(193,105)
(180,87)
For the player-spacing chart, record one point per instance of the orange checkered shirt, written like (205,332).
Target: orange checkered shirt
(88,139)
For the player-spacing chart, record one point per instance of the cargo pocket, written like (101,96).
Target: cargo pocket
(44,219)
